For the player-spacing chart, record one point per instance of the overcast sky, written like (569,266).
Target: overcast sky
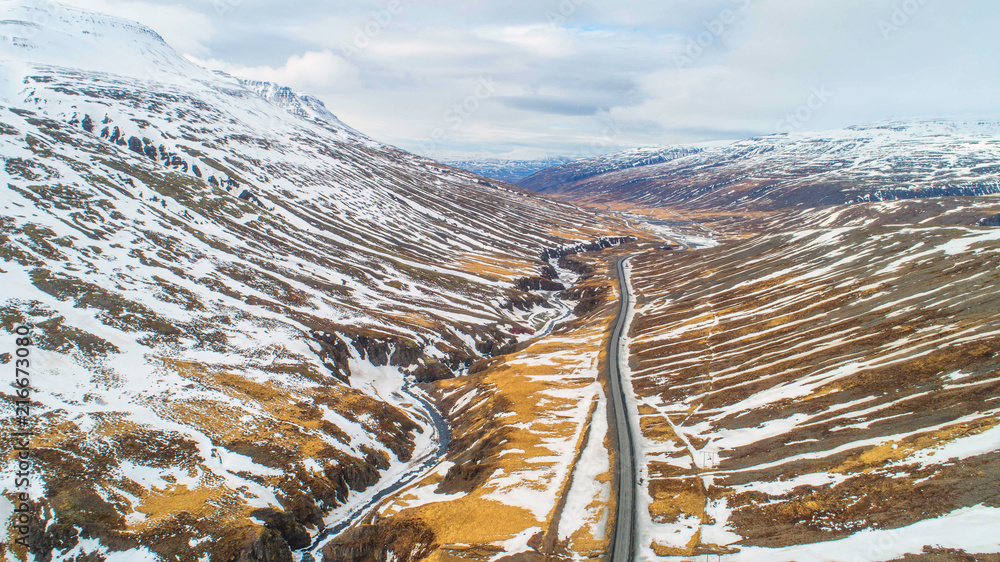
(585,77)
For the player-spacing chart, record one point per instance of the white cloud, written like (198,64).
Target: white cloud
(560,82)
(316,72)
(538,40)
(772,60)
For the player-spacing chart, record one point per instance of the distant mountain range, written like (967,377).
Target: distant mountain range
(510,171)
(886,161)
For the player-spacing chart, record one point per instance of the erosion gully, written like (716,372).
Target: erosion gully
(423,466)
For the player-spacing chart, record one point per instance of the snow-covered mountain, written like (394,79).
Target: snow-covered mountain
(232,294)
(886,161)
(565,169)
(36,32)
(633,158)
(826,390)
(507,170)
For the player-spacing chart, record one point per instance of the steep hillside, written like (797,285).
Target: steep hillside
(232,296)
(883,162)
(827,390)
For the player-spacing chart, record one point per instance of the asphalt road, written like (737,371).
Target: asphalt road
(623,541)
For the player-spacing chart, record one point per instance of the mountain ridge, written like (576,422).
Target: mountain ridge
(882,161)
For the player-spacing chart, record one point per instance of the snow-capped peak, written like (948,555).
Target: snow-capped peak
(38,38)
(296,103)
(40,33)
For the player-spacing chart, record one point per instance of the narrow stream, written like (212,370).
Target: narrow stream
(567,310)
(429,462)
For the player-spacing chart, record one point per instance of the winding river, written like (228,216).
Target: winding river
(424,465)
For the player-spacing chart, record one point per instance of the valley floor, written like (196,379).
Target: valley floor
(528,472)
(826,391)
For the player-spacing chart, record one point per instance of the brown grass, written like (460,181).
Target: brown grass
(515,404)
